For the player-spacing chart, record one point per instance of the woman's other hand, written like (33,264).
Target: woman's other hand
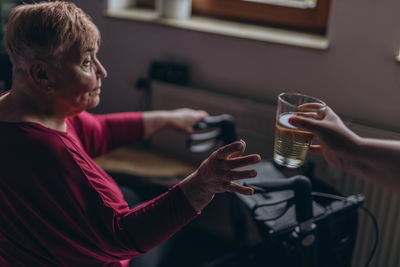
(217,174)
(184,119)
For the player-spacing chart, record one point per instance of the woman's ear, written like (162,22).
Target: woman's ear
(38,75)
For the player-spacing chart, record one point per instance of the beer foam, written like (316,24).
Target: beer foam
(284,120)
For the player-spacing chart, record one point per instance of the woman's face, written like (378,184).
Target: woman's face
(77,84)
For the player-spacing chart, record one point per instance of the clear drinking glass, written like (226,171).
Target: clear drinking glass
(291,144)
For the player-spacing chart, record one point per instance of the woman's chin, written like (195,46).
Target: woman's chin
(94,102)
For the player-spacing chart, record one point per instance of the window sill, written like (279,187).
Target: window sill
(225,28)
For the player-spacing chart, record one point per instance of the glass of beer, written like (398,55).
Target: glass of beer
(291,144)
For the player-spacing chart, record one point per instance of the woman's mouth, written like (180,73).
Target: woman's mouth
(95,92)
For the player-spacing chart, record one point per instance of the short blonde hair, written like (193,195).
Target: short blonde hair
(49,31)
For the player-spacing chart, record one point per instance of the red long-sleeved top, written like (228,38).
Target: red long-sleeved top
(59,208)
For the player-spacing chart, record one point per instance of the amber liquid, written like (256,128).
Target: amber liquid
(291,144)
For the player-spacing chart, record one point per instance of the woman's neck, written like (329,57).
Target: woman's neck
(18,106)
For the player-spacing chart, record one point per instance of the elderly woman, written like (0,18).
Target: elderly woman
(58,208)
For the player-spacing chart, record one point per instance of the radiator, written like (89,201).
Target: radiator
(255,124)
(383,203)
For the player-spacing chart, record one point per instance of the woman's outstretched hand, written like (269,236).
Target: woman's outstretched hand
(217,174)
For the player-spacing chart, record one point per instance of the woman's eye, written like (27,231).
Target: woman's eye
(87,63)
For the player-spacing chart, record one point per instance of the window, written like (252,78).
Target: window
(305,15)
(5,8)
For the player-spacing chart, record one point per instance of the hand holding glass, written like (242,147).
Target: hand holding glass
(292,144)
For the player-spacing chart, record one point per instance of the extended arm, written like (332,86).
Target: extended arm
(216,174)
(102,132)
(375,160)
(378,161)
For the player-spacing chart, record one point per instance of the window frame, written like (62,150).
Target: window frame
(303,19)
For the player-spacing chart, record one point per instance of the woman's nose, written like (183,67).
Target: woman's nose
(101,71)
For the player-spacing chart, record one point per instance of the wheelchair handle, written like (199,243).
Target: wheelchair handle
(210,131)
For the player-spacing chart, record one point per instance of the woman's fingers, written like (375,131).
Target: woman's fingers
(230,156)
(238,162)
(314,107)
(313,110)
(183,119)
(312,115)
(233,187)
(315,149)
(305,123)
(238,175)
(233,149)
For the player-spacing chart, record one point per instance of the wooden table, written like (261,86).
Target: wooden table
(145,166)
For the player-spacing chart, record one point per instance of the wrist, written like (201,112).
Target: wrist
(197,194)
(353,153)
(154,121)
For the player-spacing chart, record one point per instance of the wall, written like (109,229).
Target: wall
(357,75)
